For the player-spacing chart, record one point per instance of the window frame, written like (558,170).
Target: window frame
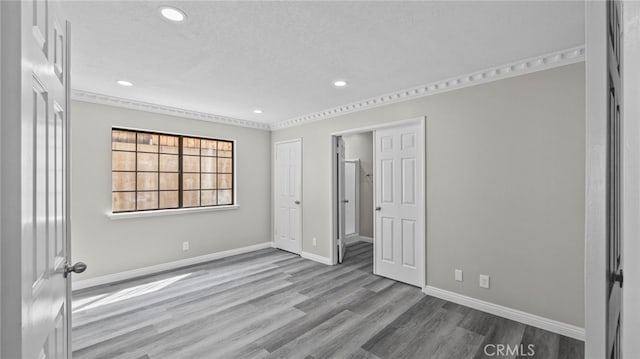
(180,208)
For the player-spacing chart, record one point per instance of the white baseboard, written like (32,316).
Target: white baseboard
(352,239)
(316,258)
(366,239)
(140,272)
(554,326)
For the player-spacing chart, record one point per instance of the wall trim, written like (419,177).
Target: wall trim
(366,239)
(86,96)
(154,269)
(316,258)
(352,239)
(551,325)
(517,68)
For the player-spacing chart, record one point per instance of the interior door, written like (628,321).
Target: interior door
(614,180)
(340,153)
(288,185)
(43,187)
(351,197)
(399,218)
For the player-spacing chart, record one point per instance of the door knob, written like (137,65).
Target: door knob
(618,277)
(79,267)
(297,202)
(378,208)
(345,201)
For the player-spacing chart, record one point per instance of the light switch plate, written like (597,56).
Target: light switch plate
(484,281)
(458,275)
(185,246)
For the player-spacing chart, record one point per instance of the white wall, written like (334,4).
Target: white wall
(360,146)
(111,246)
(505,188)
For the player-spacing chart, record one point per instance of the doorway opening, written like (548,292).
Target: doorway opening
(378,196)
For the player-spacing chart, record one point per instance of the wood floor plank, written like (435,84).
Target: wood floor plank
(274,304)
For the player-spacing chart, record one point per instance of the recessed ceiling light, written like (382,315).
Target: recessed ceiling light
(172,13)
(340,83)
(258,111)
(124,83)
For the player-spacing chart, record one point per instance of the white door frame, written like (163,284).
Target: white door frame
(274,191)
(334,186)
(10,227)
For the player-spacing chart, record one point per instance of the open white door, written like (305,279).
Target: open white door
(35,197)
(288,193)
(399,220)
(342,248)
(351,198)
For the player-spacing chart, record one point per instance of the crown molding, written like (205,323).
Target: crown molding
(522,67)
(86,96)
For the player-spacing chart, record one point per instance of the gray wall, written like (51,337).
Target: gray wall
(360,146)
(505,188)
(111,246)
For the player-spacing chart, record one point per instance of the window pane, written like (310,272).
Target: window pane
(168,181)
(224,197)
(123,161)
(123,201)
(169,144)
(147,142)
(209,198)
(209,147)
(147,162)
(123,181)
(225,181)
(147,181)
(150,169)
(224,149)
(191,181)
(190,198)
(225,145)
(190,146)
(190,164)
(208,164)
(169,163)
(123,140)
(225,165)
(209,181)
(168,199)
(147,200)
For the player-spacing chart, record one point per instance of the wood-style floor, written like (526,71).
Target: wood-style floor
(273,304)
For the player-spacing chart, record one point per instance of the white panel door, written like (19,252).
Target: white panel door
(288,186)
(39,176)
(399,220)
(351,197)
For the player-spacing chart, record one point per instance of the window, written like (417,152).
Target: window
(152,171)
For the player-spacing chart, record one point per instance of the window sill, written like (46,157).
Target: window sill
(169,212)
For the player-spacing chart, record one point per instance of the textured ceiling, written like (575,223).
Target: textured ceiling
(229,58)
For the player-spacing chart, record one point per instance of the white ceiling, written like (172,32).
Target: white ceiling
(230,58)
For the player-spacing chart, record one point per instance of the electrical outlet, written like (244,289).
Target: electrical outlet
(484,281)
(458,275)
(315,241)
(185,246)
